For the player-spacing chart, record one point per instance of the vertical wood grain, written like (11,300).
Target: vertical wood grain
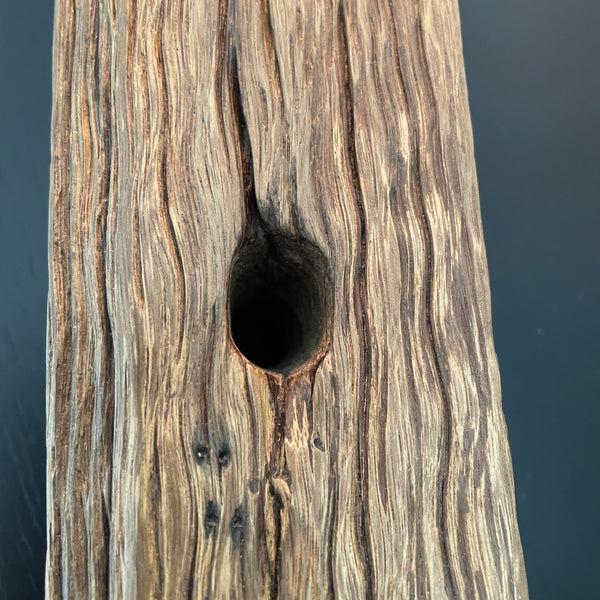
(177,468)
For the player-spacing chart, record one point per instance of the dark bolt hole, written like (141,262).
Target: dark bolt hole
(280,301)
(201,453)
(266,329)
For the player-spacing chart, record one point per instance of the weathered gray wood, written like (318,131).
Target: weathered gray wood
(337,132)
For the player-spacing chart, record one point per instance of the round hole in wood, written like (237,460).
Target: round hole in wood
(280,300)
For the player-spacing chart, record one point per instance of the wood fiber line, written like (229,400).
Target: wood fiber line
(138,284)
(163,181)
(444,469)
(183,134)
(419,584)
(103,416)
(361,302)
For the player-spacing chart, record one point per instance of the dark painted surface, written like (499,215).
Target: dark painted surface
(534,88)
(25,92)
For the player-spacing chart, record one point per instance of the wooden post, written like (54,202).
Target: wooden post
(271,371)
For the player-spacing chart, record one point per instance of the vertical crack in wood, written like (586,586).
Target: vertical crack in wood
(270,52)
(361,304)
(221,53)
(278,386)
(156,499)
(382,415)
(253,219)
(259,526)
(333,485)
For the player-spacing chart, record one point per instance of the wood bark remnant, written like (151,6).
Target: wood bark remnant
(328,146)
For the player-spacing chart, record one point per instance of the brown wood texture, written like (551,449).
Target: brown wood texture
(380,467)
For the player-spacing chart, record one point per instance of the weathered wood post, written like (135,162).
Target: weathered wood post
(271,371)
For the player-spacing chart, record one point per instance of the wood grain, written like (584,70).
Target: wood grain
(379,468)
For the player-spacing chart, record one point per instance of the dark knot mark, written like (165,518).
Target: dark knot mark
(319,444)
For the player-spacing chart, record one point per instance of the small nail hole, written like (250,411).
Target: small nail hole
(224,456)
(211,517)
(201,454)
(319,444)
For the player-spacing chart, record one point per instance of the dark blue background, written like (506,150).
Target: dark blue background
(534,87)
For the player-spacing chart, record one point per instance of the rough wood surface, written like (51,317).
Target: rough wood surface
(380,468)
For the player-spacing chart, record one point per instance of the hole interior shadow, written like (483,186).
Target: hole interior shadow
(280,301)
